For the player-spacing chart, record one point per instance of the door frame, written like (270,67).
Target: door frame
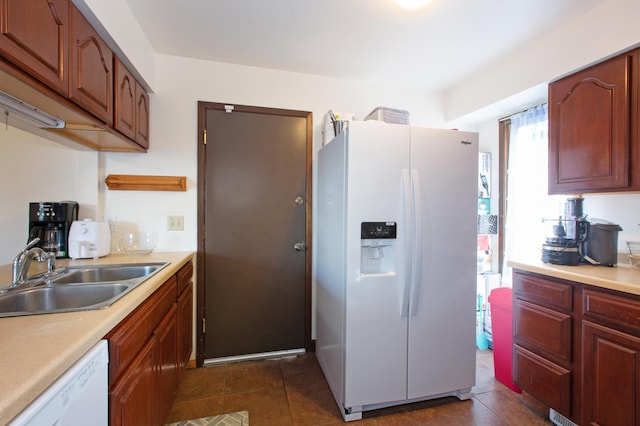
(203,106)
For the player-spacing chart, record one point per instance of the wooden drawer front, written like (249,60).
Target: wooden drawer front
(543,290)
(619,310)
(133,332)
(543,379)
(184,277)
(541,328)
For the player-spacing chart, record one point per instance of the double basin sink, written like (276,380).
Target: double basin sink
(77,288)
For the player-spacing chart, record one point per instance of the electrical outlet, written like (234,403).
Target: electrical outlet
(175,223)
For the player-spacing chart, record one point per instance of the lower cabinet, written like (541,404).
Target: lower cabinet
(147,354)
(611,358)
(185,316)
(579,355)
(167,347)
(543,353)
(612,376)
(132,397)
(185,329)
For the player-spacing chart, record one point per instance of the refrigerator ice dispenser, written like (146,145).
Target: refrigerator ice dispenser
(377,247)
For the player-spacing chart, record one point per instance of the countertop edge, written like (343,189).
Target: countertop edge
(32,373)
(621,278)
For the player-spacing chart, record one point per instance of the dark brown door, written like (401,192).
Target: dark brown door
(254,181)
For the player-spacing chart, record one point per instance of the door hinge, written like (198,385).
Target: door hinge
(204,138)
(204,326)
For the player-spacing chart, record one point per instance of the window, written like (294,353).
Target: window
(524,195)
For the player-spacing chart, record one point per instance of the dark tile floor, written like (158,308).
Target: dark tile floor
(293,391)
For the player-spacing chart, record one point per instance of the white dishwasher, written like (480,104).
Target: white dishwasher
(78,397)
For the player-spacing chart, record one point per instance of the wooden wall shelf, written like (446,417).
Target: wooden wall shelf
(146,183)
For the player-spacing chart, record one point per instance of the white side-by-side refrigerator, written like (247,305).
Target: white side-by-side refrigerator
(396,264)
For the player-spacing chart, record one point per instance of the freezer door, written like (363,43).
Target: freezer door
(376,326)
(442,310)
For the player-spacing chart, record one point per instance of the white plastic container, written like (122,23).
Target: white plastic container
(389,115)
(89,239)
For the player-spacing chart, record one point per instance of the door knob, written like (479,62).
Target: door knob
(299,201)
(300,246)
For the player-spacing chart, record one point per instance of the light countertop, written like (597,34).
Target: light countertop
(35,350)
(621,278)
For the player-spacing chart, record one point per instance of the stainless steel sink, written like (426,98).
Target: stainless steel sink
(60,298)
(77,289)
(106,273)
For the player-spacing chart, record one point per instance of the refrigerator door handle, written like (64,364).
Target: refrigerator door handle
(407,210)
(416,252)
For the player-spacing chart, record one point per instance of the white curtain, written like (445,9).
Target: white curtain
(527,199)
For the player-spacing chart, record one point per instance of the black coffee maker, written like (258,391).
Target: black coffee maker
(51,221)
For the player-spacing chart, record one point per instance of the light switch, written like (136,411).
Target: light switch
(175,223)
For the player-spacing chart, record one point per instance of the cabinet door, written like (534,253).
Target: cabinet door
(167,341)
(133,397)
(611,376)
(142,116)
(34,35)
(185,328)
(589,129)
(125,100)
(91,69)
(127,339)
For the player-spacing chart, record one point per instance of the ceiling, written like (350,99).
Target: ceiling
(368,40)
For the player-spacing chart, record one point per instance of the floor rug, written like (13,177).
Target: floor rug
(241,418)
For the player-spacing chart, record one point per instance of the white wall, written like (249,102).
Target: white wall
(115,22)
(516,81)
(523,74)
(182,82)
(35,169)
(520,79)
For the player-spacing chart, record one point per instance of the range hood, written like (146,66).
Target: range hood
(29,105)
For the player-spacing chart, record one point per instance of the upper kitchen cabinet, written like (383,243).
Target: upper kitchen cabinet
(142,116)
(91,74)
(131,106)
(52,59)
(592,141)
(125,100)
(34,35)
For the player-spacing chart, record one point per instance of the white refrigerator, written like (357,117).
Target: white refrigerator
(396,265)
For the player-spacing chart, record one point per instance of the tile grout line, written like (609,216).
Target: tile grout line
(286,394)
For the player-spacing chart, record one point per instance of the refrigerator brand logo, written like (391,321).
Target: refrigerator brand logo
(465,142)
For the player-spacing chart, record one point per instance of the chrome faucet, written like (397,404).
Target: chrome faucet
(23,260)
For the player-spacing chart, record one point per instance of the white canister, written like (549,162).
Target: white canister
(89,239)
